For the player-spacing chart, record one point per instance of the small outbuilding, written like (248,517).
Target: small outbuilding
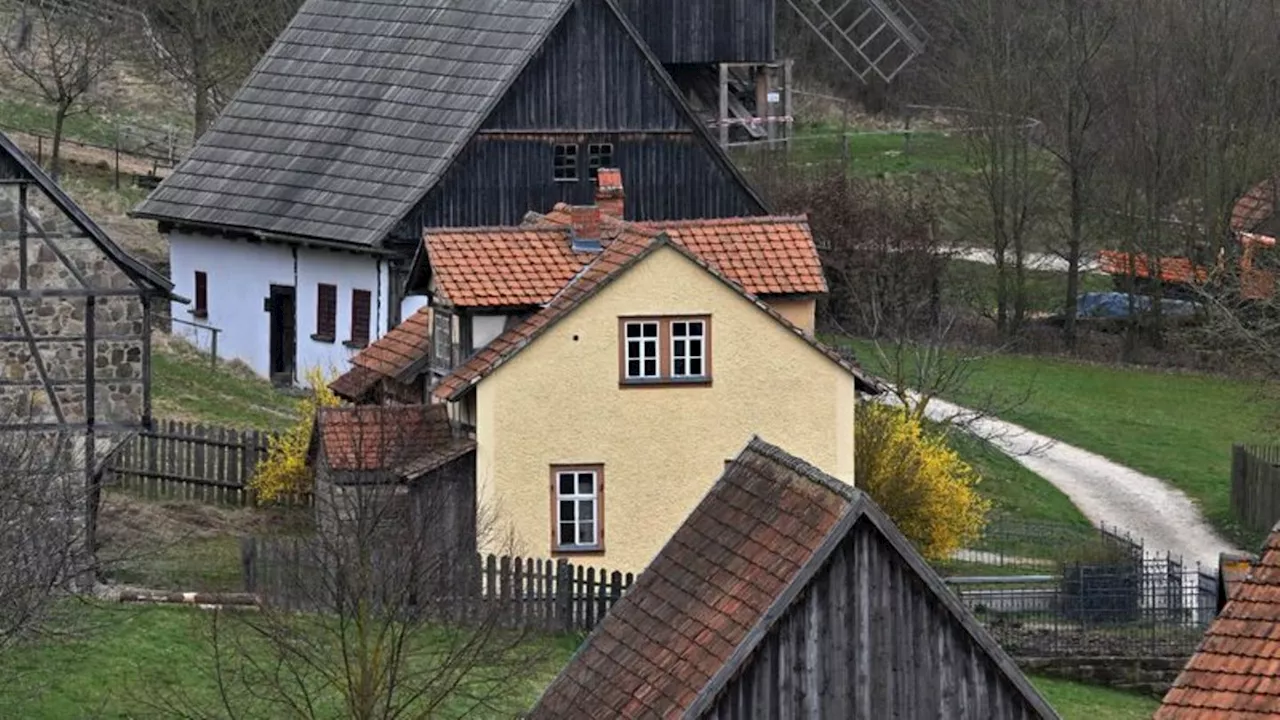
(789,594)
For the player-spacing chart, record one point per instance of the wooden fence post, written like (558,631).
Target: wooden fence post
(564,595)
(249,563)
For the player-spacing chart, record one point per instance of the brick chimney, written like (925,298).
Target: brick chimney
(609,194)
(586,227)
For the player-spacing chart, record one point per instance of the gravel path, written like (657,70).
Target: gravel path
(1107,493)
(1034,261)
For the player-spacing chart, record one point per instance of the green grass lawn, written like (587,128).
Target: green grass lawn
(1075,701)
(1175,426)
(873,153)
(187,388)
(141,662)
(137,662)
(25,113)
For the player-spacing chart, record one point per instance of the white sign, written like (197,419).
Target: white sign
(774,96)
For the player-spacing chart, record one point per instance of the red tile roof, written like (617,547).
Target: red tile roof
(1235,673)
(497,267)
(768,255)
(389,356)
(664,641)
(1256,206)
(405,440)
(503,267)
(629,247)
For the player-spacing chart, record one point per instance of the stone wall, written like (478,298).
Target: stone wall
(1149,676)
(118,322)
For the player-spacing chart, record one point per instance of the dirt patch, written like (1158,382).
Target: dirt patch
(126,521)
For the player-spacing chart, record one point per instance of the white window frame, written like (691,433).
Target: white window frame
(654,342)
(578,499)
(686,356)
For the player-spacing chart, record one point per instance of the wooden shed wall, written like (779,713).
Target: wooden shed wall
(590,84)
(868,639)
(705,31)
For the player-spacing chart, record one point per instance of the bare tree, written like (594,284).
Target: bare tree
(377,614)
(61,52)
(209,46)
(1081,31)
(995,73)
(43,504)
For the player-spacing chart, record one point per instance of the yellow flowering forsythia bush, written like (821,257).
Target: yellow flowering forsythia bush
(284,470)
(918,480)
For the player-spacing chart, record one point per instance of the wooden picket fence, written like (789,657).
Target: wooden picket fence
(190,461)
(1255,486)
(543,594)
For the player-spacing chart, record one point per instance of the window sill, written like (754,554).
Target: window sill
(322,338)
(198,314)
(700,381)
(355,344)
(578,550)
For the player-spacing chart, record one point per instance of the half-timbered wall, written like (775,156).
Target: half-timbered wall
(705,31)
(867,639)
(590,84)
(72,322)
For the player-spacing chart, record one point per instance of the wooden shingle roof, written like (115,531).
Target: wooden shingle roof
(352,115)
(1235,672)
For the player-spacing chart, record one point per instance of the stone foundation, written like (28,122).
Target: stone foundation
(1149,676)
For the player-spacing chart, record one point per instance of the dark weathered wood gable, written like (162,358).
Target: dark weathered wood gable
(369,119)
(705,31)
(872,633)
(592,83)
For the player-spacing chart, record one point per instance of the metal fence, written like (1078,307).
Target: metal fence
(1050,590)
(1255,486)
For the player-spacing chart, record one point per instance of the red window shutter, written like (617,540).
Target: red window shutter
(202,294)
(326,311)
(360,301)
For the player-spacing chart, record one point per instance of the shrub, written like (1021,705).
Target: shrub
(918,480)
(284,470)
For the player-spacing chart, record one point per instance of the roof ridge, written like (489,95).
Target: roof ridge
(736,220)
(861,507)
(809,471)
(490,229)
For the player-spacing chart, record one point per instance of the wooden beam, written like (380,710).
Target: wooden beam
(39,361)
(723,115)
(53,247)
(38,293)
(146,362)
(90,364)
(22,236)
(68,338)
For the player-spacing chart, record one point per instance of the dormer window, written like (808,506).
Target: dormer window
(665,350)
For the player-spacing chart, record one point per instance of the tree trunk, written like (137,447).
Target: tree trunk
(55,154)
(1074,243)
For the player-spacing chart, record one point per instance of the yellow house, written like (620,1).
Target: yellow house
(602,418)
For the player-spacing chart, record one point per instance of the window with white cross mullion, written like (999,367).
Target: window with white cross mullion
(641,352)
(688,348)
(577,509)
